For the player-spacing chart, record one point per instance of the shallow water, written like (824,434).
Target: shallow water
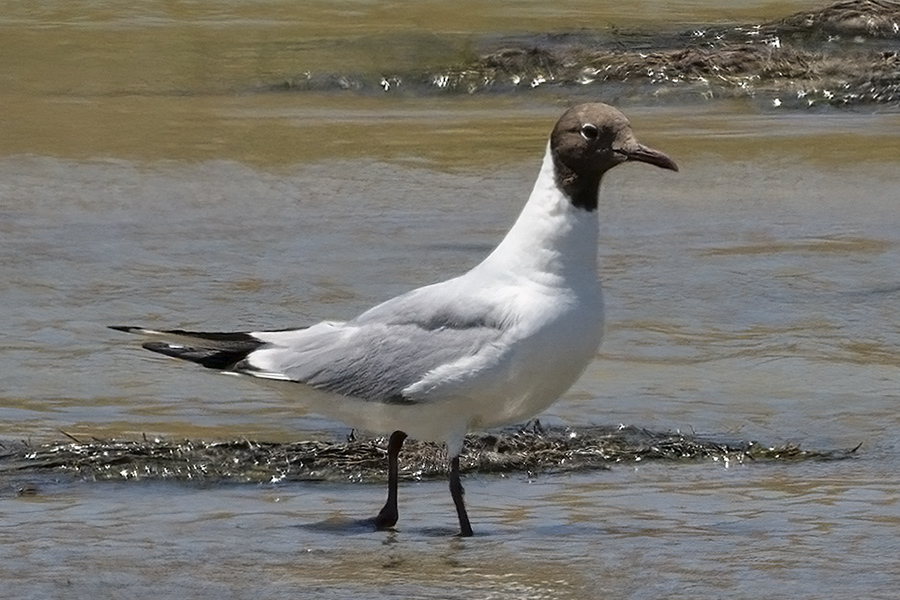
(144,178)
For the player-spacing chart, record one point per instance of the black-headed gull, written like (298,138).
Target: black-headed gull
(491,347)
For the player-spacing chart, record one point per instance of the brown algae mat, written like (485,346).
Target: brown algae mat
(841,54)
(531,450)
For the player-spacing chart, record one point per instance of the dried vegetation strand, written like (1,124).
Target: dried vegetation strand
(841,54)
(528,451)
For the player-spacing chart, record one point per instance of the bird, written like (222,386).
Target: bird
(493,346)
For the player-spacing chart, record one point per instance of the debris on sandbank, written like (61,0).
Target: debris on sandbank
(843,54)
(530,451)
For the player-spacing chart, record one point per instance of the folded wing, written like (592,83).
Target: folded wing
(374,362)
(374,357)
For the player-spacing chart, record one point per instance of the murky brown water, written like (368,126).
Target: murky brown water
(146,178)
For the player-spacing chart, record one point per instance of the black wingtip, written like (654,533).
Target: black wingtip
(210,358)
(213,350)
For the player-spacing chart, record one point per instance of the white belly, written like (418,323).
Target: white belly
(536,368)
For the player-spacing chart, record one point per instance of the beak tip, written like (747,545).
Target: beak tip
(653,157)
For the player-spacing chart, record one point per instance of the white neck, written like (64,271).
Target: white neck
(552,241)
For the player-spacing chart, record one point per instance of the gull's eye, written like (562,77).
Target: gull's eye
(589,132)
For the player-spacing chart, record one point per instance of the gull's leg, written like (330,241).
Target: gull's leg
(457,491)
(388,516)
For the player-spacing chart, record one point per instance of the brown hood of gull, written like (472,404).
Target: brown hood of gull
(589,140)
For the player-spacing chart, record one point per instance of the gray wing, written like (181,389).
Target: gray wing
(378,355)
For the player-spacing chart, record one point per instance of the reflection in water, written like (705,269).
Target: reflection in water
(633,534)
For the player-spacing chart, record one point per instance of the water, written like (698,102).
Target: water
(148,177)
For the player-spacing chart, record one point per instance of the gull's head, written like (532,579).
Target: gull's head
(588,141)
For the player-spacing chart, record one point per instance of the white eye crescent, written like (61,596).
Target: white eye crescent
(589,132)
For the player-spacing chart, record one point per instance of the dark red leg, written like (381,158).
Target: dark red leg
(457,492)
(388,516)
